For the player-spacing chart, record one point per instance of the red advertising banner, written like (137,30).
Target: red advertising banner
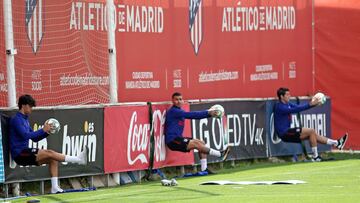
(163,156)
(337,64)
(233,48)
(127,139)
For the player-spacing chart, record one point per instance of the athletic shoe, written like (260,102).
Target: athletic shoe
(84,156)
(56,190)
(225,153)
(342,141)
(174,182)
(209,171)
(316,159)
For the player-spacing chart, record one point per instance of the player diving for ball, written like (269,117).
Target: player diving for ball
(282,120)
(174,127)
(20,133)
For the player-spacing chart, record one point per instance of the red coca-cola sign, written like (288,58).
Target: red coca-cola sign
(163,156)
(127,139)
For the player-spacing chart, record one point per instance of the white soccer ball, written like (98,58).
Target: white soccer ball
(321,97)
(54,125)
(219,110)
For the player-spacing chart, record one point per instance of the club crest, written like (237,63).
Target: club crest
(195,24)
(34,22)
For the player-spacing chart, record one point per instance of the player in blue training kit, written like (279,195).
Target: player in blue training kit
(20,133)
(174,127)
(282,120)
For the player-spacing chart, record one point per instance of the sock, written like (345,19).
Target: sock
(214,152)
(315,152)
(72,159)
(203,164)
(331,142)
(54,182)
(55,186)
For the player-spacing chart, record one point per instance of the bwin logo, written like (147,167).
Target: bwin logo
(73,145)
(195,24)
(34,22)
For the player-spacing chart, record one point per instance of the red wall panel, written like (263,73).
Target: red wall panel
(337,62)
(230,56)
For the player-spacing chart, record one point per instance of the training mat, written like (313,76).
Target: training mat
(227,182)
(28,194)
(200,173)
(80,190)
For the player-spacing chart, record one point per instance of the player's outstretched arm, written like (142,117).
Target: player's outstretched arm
(293,108)
(193,114)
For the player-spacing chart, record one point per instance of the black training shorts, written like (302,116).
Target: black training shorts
(292,135)
(27,157)
(179,144)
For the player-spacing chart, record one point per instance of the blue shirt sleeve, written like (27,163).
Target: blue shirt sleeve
(21,130)
(192,114)
(293,108)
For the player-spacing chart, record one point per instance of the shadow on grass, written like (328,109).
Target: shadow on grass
(166,194)
(245,165)
(54,198)
(239,167)
(190,190)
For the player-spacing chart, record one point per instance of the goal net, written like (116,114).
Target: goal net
(56,62)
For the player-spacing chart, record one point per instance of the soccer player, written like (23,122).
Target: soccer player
(174,127)
(282,120)
(21,133)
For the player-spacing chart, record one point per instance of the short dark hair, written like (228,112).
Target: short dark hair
(26,99)
(176,94)
(282,91)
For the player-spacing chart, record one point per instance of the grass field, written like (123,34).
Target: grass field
(332,181)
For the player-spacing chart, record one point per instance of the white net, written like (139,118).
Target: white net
(58,63)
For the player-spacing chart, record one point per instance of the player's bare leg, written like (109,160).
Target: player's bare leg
(204,151)
(314,138)
(53,169)
(46,155)
(52,158)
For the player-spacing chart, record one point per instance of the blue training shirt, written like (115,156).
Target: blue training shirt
(282,115)
(21,132)
(174,122)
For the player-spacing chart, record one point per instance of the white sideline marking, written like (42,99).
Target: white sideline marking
(226,182)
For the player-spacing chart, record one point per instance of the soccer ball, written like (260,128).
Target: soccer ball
(321,97)
(54,125)
(219,109)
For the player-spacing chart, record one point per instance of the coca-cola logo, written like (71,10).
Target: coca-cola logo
(159,137)
(138,140)
(139,136)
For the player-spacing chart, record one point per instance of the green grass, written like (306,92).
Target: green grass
(332,181)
